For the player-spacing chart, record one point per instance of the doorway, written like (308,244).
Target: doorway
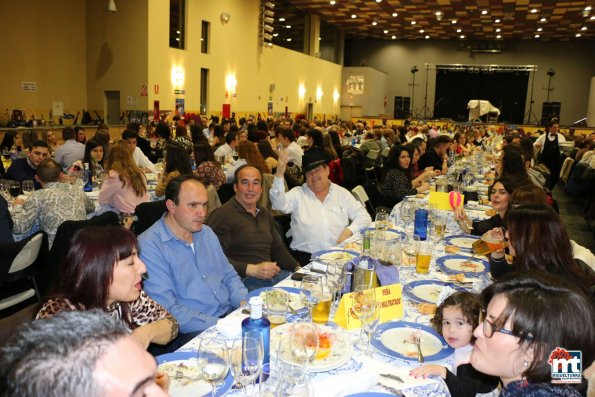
(112,100)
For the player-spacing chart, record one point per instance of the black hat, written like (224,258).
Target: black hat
(312,159)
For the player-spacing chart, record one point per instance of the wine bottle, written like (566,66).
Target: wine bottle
(256,322)
(89,182)
(365,273)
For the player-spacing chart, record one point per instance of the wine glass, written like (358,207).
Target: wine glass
(371,323)
(381,223)
(303,341)
(311,291)
(407,211)
(28,188)
(14,188)
(364,302)
(245,361)
(213,362)
(254,341)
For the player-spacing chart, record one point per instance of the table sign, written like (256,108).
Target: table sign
(442,200)
(390,298)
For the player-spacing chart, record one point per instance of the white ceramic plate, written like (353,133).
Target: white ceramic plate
(339,355)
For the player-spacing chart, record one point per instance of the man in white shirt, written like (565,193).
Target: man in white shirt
(70,151)
(322,214)
(232,140)
(143,162)
(549,152)
(294,151)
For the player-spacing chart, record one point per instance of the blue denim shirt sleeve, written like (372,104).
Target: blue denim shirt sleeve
(198,286)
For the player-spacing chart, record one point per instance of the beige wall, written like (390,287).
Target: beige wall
(375,85)
(117,52)
(43,41)
(235,54)
(574,68)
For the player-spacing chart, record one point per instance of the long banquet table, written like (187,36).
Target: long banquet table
(359,364)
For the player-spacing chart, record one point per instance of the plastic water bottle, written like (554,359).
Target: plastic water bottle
(420,227)
(258,323)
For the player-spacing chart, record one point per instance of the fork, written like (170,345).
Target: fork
(417,341)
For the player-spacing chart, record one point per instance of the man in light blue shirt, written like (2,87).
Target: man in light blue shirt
(70,151)
(189,274)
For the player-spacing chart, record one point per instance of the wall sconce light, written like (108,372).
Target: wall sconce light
(336,95)
(225,17)
(177,76)
(318,93)
(111,6)
(301,91)
(231,83)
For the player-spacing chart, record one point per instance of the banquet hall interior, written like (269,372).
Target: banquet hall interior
(510,69)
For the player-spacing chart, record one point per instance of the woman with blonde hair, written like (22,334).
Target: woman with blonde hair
(125,186)
(248,151)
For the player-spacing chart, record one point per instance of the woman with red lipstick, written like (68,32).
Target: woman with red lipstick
(526,318)
(455,319)
(102,270)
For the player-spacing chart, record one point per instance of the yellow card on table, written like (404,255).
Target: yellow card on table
(391,307)
(442,201)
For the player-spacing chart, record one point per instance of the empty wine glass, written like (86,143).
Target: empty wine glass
(213,361)
(371,323)
(311,291)
(253,344)
(382,223)
(407,211)
(245,361)
(28,188)
(364,303)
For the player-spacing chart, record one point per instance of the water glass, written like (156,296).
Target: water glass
(438,228)
(407,212)
(408,250)
(294,382)
(276,305)
(303,342)
(213,362)
(28,188)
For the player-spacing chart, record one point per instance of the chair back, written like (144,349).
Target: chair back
(360,194)
(385,152)
(147,214)
(28,254)
(373,154)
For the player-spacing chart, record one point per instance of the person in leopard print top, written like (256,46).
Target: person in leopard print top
(102,270)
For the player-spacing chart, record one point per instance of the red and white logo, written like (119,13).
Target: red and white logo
(566,365)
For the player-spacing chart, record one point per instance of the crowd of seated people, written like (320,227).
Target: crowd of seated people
(238,248)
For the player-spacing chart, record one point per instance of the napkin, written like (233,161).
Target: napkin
(387,275)
(347,383)
(231,326)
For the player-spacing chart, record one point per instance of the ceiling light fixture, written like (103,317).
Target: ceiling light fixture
(592,18)
(588,8)
(459,30)
(386,32)
(578,35)
(421,31)
(454,21)
(543,19)
(395,14)
(393,37)
(534,11)
(374,23)
(288,26)
(584,28)
(353,16)
(111,6)
(289,39)
(438,15)
(539,29)
(498,30)
(281,19)
(537,36)
(462,36)
(427,36)
(497,20)
(484,12)
(498,36)
(333,2)
(413,22)
(378,1)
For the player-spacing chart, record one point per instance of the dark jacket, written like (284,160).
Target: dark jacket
(20,170)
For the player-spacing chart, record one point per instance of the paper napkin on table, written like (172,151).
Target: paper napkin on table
(231,326)
(347,383)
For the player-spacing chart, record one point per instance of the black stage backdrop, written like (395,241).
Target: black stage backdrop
(505,90)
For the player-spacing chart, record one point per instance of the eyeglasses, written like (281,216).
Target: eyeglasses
(489,328)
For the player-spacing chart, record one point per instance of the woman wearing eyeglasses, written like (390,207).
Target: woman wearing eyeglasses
(526,317)
(538,242)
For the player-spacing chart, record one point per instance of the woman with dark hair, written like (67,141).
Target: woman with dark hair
(269,155)
(125,186)
(315,139)
(197,135)
(208,170)
(218,137)
(177,162)
(11,143)
(397,180)
(94,152)
(182,138)
(460,144)
(538,242)
(526,318)
(512,165)
(336,142)
(500,193)
(329,150)
(102,270)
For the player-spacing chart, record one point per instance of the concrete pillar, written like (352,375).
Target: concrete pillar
(311,35)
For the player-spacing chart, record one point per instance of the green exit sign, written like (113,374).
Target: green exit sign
(177,92)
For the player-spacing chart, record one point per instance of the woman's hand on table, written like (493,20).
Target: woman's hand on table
(428,370)
(263,270)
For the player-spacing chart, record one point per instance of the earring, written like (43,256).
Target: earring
(526,363)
